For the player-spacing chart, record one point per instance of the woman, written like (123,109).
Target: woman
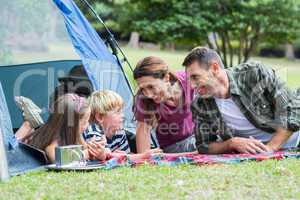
(163,102)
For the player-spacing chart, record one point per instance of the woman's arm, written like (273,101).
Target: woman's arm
(50,151)
(146,155)
(143,139)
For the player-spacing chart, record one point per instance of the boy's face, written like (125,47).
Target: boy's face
(111,122)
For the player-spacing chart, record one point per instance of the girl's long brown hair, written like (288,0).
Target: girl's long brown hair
(156,68)
(62,124)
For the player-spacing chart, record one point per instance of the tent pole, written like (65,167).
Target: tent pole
(110,39)
(4,175)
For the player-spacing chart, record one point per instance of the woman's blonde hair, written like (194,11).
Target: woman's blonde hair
(102,102)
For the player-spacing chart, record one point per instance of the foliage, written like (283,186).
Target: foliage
(106,9)
(21,20)
(229,26)
(164,21)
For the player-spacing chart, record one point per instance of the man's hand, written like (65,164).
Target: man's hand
(248,145)
(279,138)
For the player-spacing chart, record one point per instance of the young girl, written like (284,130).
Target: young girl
(68,118)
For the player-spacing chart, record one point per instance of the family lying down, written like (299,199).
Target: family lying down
(203,109)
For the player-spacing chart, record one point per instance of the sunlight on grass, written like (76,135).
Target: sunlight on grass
(251,180)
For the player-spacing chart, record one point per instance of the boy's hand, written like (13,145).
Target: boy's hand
(102,141)
(96,151)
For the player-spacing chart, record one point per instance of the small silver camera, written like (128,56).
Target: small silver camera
(71,154)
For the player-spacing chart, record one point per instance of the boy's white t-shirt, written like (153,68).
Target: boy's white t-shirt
(236,120)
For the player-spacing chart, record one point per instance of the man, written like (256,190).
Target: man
(246,109)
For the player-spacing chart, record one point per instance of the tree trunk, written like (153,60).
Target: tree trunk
(242,45)
(230,48)
(215,37)
(170,46)
(212,41)
(224,50)
(252,43)
(289,52)
(134,40)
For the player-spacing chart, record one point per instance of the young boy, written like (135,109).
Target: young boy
(106,121)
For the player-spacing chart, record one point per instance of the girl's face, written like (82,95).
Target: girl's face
(154,88)
(112,122)
(84,121)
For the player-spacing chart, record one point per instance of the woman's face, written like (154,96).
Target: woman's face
(84,121)
(154,88)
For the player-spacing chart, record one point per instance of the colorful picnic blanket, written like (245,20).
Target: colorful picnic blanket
(175,160)
(200,159)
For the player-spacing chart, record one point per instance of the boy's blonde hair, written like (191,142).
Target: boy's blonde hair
(102,102)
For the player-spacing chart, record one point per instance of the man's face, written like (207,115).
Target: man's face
(203,78)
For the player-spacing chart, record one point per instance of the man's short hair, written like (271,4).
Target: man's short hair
(202,55)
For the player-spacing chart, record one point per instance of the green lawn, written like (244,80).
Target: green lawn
(264,180)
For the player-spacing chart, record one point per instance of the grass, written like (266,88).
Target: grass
(265,180)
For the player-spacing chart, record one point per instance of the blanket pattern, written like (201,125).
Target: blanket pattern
(199,159)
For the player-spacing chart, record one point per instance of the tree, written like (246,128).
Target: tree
(21,20)
(244,24)
(162,21)
(232,27)
(106,9)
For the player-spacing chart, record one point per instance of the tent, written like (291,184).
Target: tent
(21,159)
(102,67)
(38,80)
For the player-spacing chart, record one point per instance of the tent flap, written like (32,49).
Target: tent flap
(22,158)
(101,66)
